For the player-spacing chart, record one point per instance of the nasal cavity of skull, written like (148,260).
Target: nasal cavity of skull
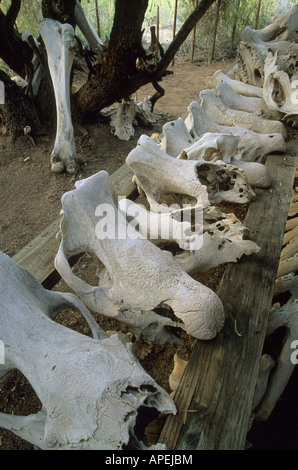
(258,78)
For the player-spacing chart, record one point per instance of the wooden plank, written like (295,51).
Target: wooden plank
(215,394)
(38,256)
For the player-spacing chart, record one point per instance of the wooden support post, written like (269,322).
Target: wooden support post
(194,37)
(157,23)
(97,18)
(174,26)
(215,29)
(258,14)
(234,28)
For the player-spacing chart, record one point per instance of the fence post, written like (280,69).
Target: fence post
(215,29)
(97,18)
(258,14)
(174,26)
(194,37)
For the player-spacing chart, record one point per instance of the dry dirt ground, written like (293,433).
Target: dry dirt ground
(30,196)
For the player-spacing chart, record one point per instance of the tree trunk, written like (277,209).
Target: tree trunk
(118,77)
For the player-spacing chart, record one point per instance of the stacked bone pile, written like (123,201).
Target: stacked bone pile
(92,389)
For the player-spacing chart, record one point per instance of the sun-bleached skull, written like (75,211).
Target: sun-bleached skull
(157,173)
(221,114)
(91,389)
(143,281)
(253,146)
(176,137)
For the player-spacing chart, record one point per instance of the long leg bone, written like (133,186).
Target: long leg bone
(85,26)
(254,145)
(158,173)
(134,300)
(59,41)
(91,389)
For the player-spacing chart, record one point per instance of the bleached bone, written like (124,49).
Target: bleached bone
(251,59)
(289,282)
(266,365)
(215,239)
(224,241)
(254,146)
(173,226)
(214,147)
(286,316)
(240,87)
(87,29)
(143,280)
(122,121)
(91,389)
(250,104)
(157,173)
(288,266)
(221,114)
(278,88)
(175,137)
(177,372)
(144,112)
(283,27)
(60,43)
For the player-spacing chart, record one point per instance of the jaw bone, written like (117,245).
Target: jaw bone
(157,173)
(143,280)
(91,389)
(225,116)
(59,41)
(254,146)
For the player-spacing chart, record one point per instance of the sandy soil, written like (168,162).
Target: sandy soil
(30,200)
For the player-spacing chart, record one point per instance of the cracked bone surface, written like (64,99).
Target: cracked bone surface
(59,40)
(143,281)
(157,173)
(225,116)
(224,240)
(122,121)
(280,316)
(279,88)
(91,389)
(254,146)
(214,147)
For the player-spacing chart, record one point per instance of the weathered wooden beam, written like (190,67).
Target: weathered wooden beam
(214,397)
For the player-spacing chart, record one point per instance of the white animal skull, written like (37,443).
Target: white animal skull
(240,87)
(250,104)
(254,146)
(60,43)
(91,389)
(143,280)
(279,89)
(221,114)
(157,173)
